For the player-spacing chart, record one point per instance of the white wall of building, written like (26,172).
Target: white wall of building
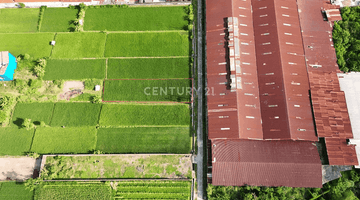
(350,84)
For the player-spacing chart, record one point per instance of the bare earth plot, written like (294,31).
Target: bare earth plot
(16,168)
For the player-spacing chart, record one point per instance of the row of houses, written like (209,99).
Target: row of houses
(278,116)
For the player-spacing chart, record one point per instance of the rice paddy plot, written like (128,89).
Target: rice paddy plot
(148,68)
(59,19)
(145,114)
(19,20)
(144,140)
(147,44)
(136,18)
(153,190)
(51,140)
(36,45)
(61,69)
(75,114)
(15,191)
(73,191)
(15,141)
(79,45)
(176,90)
(37,112)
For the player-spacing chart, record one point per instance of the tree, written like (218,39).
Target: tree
(27,124)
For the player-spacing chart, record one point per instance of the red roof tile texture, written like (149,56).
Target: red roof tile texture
(328,102)
(6,1)
(267,163)
(273,101)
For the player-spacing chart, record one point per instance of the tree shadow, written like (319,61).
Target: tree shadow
(19,122)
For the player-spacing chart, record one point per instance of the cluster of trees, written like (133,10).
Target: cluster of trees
(347,188)
(7,103)
(346,35)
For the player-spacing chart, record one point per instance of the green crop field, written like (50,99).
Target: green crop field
(144,140)
(147,44)
(136,18)
(19,20)
(64,140)
(14,191)
(37,112)
(75,114)
(148,90)
(58,19)
(148,68)
(73,191)
(117,166)
(79,45)
(15,141)
(153,190)
(36,45)
(75,69)
(144,114)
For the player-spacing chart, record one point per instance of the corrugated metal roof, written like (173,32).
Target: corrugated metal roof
(268,163)
(272,101)
(329,106)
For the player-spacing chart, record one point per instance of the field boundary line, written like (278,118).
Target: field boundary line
(32,139)
(106,68)
(153,31)
(106,37)
(51,52)
(148,57)
(144,102)
(156,79)
(119,179)
(148,126)
(52,113)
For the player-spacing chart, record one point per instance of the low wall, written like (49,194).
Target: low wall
(48,4)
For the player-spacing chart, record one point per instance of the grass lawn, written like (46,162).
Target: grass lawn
(144,114)
(64,140)
(58,19)
(36,45)
(121,166)
(75,69)
(148,90)
(75,114)
(19,20)
(37,112)
(15,141)
(79,45)
(148,68)
(136,18)
(153,190)
(14,191)
(144,140)
(73,191)
(147,44)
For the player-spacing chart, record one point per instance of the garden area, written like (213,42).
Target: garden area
(117,166)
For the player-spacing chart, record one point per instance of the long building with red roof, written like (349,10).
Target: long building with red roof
(263,61)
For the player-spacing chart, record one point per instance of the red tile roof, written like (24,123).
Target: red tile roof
(329,105)
(271,100)
(268,163)
(6,1)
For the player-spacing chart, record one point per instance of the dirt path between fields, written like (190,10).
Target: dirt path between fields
(19,168)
